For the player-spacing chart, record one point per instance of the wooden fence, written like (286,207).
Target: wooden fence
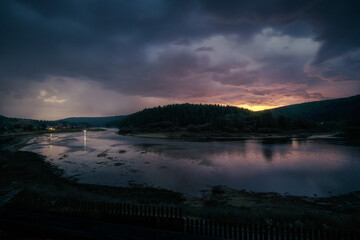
(226,230)
(172,218)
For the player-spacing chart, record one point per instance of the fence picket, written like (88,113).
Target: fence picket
(171,212)
(211,229)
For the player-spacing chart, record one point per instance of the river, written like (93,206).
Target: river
(314,166)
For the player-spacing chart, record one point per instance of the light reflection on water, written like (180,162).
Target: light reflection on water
(300,167)
(84,140)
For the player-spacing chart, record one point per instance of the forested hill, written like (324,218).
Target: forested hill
(341,109)
(198,117)
(182,115)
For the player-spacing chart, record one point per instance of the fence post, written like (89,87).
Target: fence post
(299,232)
(317,234)
(157,211)
(226,230)
(211,229)
(196,226)
(206,227)
(230,231)
(119,209)
(236,231)
(107,209)
(112,209)
(271,231)
(255,231)
(161,211)
(280,234)
(215,229)
(146,210)
(221,230)
(191,226)
(116,209)
(241,231)
(327,234)
(172,212)
(176,212)
(303,229)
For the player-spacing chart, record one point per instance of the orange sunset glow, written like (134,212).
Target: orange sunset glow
(256,108)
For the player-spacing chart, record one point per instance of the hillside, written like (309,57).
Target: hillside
(341,109)
(11,125)
(181,115)
(96,121)
(210,118)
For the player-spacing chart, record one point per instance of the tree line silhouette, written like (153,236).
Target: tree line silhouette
(207,117)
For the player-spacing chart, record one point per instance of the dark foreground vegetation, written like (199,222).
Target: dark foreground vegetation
(322,116)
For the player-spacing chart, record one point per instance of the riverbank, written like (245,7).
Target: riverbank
(28,176)
(221,136)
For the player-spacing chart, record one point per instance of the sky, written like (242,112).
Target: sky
(111,57)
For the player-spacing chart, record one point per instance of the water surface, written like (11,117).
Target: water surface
(296,166)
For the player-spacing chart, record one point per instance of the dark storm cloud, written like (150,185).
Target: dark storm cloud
(179,49)
(336,25)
